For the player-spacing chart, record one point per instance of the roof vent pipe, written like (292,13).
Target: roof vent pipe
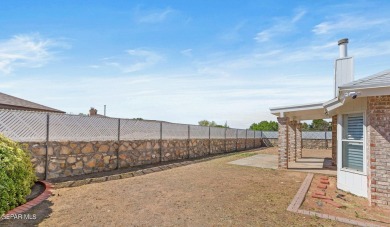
(343,48)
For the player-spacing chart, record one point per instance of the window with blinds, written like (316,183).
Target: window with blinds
(353,142)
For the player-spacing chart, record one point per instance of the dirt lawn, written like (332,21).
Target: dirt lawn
(211,193)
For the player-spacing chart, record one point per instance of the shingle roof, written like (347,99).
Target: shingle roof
(12,102)
(381,79)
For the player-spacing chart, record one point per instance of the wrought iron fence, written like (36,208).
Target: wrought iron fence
(24,126)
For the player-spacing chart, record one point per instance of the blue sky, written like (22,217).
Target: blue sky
(183,61)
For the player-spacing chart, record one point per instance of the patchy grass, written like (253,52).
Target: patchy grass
(246,154)
(211,193)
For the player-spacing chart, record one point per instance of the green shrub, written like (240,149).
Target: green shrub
(16,175)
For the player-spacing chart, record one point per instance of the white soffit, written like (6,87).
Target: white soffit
(285,109)
(301,112)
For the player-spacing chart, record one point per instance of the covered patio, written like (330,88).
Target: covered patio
(312,161)
(290,154)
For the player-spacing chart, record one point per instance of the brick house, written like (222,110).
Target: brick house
(360,113)
(10,102)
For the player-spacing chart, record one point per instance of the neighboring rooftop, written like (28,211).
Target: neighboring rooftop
(381,79)
(14,103)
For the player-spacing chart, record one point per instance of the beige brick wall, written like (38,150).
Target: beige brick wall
(378,119)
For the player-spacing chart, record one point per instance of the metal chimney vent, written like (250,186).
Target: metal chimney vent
(343,67)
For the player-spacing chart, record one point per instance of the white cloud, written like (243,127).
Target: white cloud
(372,49)
(134,60)
(274,59)
(94,66)
(233,33)
(30,51)
(298,16)
(175,98)
(187,52)
(345,23)
(153,16)
(281,26)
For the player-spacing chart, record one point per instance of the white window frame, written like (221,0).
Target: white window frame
(340,139)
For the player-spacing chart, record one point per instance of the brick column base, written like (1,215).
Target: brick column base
(283,142)
(298,140)
(292,154)
(334,140)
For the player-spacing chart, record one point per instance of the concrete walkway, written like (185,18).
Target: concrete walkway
(313,165)
(306,164)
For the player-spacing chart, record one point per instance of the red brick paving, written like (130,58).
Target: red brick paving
(322,186)
(321,197)
(25,207)
(320,193)
(299,197)
(324,182)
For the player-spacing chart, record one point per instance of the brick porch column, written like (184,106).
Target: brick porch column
(283,142)
(334,140)
(292,147)
(298,140)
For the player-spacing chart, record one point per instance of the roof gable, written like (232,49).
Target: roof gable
(11,102)
(381,79)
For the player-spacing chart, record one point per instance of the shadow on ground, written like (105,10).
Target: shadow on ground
(32,217)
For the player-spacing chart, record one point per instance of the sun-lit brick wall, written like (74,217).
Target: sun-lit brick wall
(379,157)
(334,140)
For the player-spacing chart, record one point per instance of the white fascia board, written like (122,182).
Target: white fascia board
(354,87)
(285,109)
(365,92)
(333,104)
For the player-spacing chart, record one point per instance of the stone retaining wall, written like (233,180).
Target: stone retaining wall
(316,144)
(306,143)
(77,158)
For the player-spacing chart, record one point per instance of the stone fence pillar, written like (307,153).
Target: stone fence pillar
(283,142)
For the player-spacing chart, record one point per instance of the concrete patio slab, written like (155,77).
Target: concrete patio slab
(306,164)
(260,160)
(312,165)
